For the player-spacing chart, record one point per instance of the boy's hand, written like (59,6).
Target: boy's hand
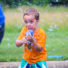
(30,38)
(24,41)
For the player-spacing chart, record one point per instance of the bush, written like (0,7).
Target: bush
(41,2)
(14,3)
(25,2)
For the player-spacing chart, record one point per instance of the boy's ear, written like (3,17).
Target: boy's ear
(37,21)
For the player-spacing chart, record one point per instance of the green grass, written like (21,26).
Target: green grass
(39,8)
(53,20)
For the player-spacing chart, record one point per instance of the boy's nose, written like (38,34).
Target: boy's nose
(28,24)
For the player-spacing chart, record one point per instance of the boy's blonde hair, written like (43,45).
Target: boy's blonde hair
(32,11)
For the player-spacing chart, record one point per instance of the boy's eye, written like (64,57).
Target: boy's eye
(25,21)
(31,21)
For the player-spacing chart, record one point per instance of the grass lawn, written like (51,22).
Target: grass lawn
(53,20)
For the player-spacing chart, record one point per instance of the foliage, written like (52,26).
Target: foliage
(15,3)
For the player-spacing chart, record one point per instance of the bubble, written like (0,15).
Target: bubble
(53,49)
(50,29)
(20,9)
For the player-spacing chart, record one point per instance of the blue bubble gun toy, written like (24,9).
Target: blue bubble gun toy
(30,32)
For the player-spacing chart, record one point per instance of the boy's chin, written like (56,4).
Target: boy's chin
(30,29)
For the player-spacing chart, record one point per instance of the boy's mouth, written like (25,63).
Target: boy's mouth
(29,28)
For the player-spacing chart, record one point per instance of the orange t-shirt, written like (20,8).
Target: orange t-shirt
(34,56)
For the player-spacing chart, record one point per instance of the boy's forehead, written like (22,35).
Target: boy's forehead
(32,17)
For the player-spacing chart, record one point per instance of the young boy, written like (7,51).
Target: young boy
(37,56)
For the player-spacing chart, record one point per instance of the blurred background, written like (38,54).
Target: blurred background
(53,19)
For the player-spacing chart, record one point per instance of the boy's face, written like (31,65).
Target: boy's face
(30,22)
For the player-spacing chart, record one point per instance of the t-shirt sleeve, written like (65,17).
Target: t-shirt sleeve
(41,39)
(22,34)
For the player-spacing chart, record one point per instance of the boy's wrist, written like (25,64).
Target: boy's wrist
(22,41)
(34,42)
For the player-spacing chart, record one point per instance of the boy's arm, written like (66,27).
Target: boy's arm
(40,43)
(21,42)
(34,43)
(37,46)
